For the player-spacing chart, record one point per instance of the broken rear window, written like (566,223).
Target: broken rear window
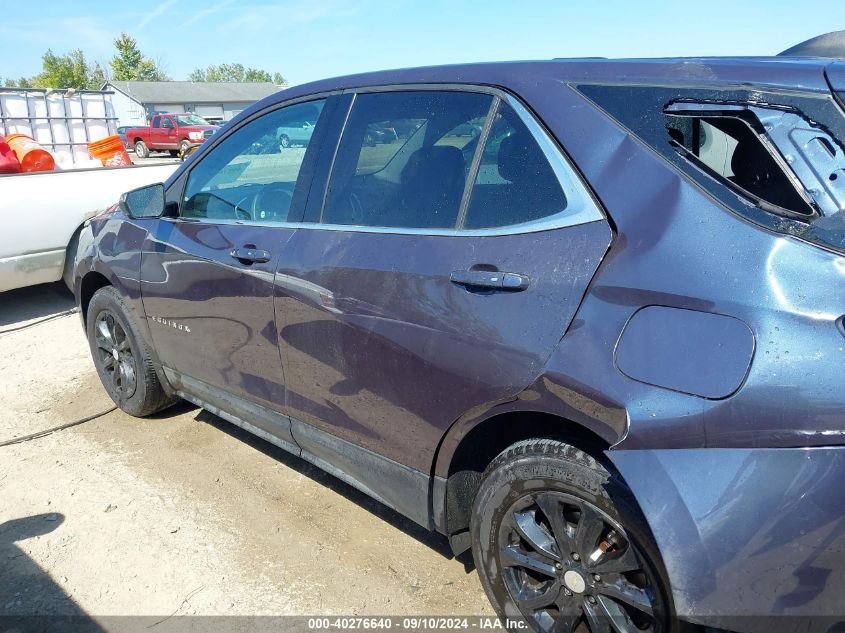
(776,159)
(730,148)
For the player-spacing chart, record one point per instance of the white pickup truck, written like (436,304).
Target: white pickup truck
(41,213)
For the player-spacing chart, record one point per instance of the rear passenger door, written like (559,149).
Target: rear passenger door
(443,263)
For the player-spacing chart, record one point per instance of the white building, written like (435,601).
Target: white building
(134,101)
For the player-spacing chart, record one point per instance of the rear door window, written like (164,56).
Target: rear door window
(515,182)
(400,161)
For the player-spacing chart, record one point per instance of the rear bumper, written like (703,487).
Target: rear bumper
(752,539)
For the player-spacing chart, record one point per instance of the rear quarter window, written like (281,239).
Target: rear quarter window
(775,159)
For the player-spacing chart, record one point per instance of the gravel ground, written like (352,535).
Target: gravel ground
(182,513)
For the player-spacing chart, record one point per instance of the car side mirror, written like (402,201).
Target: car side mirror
(144,202)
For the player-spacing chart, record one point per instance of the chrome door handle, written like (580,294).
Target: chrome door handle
(492,280)
(250,255)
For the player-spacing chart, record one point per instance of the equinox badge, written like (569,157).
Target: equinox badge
(179,326)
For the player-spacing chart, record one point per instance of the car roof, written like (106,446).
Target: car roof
(801,74)
(792,73)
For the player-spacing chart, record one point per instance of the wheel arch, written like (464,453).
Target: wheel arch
(459,469)
(90,283)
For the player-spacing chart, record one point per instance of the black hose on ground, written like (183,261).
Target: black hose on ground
(45,432)
(67,425)
(40,321)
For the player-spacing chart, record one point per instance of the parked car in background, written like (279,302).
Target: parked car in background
(380,132)
(468,128)
(169,132)
(295,133)
(121,132)
(599,343)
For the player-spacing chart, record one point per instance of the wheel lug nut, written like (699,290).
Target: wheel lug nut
(558,566)
(575,556)
(566,591)
(591,600)
(597,578)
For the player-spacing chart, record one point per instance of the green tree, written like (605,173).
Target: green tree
(234,73)
(63,71)
(129,63)
(97,77)
(23,82)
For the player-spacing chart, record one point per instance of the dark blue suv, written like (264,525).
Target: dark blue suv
(598,341)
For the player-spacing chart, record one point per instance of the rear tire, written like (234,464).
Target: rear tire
(284,141)
(123,360)
(141,149)
(559,542)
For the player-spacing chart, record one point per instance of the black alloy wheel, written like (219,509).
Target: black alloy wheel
(115,355)
(561,546)
(566,563)
(125,362)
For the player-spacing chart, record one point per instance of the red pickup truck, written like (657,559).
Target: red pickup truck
(169,132)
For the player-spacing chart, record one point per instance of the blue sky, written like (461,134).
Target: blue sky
(311,39)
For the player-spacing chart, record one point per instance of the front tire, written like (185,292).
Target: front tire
(183,147)
(141,149)
(123,360)
(559,543)
(284,141)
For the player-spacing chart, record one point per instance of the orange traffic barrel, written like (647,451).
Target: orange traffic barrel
(9,163)
(31,155)
(109,151)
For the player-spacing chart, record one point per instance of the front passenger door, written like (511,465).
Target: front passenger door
(207,275)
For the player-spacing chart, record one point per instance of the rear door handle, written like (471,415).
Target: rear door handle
(250,255)
(493,280)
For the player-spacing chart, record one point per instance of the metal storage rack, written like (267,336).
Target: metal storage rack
(34,96)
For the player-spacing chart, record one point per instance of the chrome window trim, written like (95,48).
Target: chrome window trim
(581,208)
(354,228)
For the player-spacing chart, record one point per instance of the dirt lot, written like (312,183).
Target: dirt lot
(184,513)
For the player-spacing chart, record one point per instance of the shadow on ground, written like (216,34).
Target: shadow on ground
(34,302)
(434,541)
(29,598)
